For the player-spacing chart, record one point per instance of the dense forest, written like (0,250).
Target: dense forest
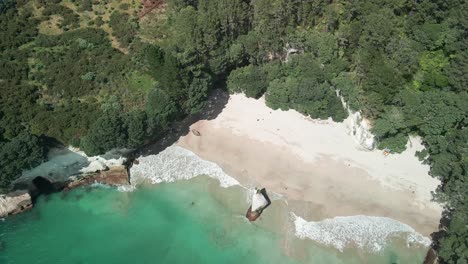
(92,74)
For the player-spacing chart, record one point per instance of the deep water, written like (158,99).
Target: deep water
(192,221)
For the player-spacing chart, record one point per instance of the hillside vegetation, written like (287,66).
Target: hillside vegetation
(91,74)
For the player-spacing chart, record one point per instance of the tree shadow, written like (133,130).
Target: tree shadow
(215,104)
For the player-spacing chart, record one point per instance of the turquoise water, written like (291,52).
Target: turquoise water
(192,221)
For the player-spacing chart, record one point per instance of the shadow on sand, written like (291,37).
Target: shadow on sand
(215,104)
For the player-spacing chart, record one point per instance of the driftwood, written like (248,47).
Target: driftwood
(196,132)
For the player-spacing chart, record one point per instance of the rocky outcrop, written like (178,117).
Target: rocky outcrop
(27,190)
(260,201)
(15,202)
(114,176)
(358,127)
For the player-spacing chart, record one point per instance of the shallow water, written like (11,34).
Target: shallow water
(191,221)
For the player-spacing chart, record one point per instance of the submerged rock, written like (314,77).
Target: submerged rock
(15,202)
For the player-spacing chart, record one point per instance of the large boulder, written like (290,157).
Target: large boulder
(260,201)
(15,202)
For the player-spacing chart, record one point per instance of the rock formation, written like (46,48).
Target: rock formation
(28,189)
(260,201)
(15,202)
(114,176)
(358,127)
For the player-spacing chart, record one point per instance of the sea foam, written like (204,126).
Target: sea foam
(369,233)
(176,163)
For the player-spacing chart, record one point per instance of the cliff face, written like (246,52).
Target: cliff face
(358,127)
(15,202)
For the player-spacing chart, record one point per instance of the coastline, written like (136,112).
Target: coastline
(316,165)
(327,180)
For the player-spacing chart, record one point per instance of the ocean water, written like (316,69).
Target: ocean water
(188,221)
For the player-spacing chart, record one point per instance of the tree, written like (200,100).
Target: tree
(345,83)
(6,4)
(198,93)
(123,27)
(378,27)
(22,152)
(434,112)
(432,76)
(250,80)
(106,133)
(456,71)
(279,93)
(173,78)
(391,122)
(161,111)
(136,127)
(383,80)
(453,247)
(316,100)
(18,107)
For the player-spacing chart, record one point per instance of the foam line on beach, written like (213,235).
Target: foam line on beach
(369,233)
(176,163)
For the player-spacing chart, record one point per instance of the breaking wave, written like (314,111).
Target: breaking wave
(176,163)
(369,233)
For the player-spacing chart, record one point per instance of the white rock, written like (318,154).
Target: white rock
(258,201)
(94,166)
(14,203)
(358,127)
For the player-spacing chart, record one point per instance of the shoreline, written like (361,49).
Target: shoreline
(322,173)
(364,233)
(319,180)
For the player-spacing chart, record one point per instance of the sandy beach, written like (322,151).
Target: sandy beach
(317,165)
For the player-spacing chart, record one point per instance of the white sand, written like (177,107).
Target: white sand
(311,139)
(317,162)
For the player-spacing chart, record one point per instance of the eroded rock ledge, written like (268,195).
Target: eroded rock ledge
(26,192)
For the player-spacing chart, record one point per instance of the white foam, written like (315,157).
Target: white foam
(111,158)
(366,232)
(176,163)
(65,162)
(126,188)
